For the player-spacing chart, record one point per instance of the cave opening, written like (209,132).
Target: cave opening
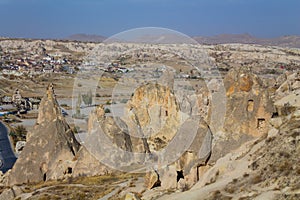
(261,123)
(250,106)
(44,177)
(69,171)
(179,175)
(275,114)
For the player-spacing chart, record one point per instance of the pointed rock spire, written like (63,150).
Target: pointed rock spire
(51,148)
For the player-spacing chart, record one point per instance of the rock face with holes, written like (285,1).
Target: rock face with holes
(248,111)
(153,123)
(151,120)
(153,113)
(184,172)
(249,106)
(263,168)
(50,148)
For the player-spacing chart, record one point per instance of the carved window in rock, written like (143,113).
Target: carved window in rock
(69,170)
(261,123)
(250,106)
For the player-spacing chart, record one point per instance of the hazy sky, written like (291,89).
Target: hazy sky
(61,18)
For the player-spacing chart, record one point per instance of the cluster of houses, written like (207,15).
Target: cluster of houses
(16,104)
(36,65)
(116,67)
(110,67)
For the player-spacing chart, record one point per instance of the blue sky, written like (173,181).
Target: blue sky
(61,18)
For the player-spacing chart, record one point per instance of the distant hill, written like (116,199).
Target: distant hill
(161,39)
(86,38)
(227,38)
(284,41)
(290,41)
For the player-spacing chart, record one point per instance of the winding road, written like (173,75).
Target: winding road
(7,156)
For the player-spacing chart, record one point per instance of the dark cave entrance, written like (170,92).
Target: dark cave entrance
(44,177)
(69,170)
(179,175)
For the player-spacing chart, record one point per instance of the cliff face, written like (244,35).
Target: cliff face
(108,143)
(50,148)
(154,110)
(265,167)
(152,135)
(151,121)
(248,111)
(249,107)
(154,132)
(154,114)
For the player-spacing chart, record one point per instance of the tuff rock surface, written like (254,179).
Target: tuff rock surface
(50,148)
(249,109)
(265,167)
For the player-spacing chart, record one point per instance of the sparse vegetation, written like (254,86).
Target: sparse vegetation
(78,188)
(18,134)
(124,101)
(275,162)
(88,98)
(107,110)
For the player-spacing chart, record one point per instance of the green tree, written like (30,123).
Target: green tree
(107,110)
(88,98)
(18,134)
(78,104)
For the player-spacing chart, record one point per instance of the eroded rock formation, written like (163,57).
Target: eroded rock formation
(108,141)
(50,149)
(263,168)
(287,97)
(248,111)
(249,106)
(153,113)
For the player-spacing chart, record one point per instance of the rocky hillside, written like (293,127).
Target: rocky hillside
(228,129)
(292,41)
(86,38)
(264,168)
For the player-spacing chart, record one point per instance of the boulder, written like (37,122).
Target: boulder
(19,146)
(131,196)
(168,177)
(152,180)
(11,193)
(290,84)
(287,96)
(182,185)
